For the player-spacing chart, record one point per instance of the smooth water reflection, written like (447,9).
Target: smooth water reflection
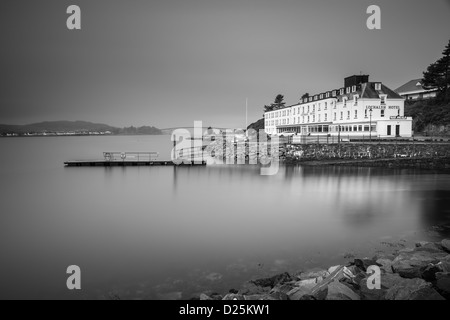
(164,232)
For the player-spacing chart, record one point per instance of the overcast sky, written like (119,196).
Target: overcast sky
(169,62)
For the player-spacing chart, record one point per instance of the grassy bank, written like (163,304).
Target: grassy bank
(430,117)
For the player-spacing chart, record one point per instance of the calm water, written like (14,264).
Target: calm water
(164,232)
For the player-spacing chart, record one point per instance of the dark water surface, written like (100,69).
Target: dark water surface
(164,232)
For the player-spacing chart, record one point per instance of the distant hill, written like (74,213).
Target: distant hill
(55,126)
(73,126)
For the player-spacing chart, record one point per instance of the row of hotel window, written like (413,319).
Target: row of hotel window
(287,112)
(323,128)
(333,93)
(313,117)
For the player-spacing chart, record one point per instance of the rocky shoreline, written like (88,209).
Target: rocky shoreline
(419,273)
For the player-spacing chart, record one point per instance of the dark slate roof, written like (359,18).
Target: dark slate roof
(390,93)
(367,91)
(363,90)
(411,86)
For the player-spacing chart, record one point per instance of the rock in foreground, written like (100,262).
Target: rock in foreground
(420,273)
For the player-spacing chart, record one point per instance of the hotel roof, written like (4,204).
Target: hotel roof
(363,90)
(412,86)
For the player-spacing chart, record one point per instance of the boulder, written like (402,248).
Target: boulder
(432,248)
(428,246)
(279,296)
(339,291)
(426,294)
(385,264)
(303,287)
(421,243)
(250,288)
(259,297)
(319,295)
(273,281)
(297,293)
(443,283)
(390,282)
(204,297)
(441,275)
(313,274)
(428,273)
(333,268)
(283,289)
(305,293)
(363,264)
(408,264)
(403,289)
(444,264)
(308,283)
(446,245)
(408,269)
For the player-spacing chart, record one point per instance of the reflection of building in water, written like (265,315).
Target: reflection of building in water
(360,108)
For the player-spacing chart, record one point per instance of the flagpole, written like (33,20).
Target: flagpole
(246,112)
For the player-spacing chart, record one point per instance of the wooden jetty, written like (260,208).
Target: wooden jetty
(130,159)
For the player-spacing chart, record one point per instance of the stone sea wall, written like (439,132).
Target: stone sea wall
(420,273)
(417,155)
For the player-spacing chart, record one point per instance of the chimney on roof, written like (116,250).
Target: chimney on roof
(355,80)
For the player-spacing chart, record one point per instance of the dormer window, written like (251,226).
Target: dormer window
(333,93)
(310,99)
(315,98)
(341,91)
(378,86)
(327,95)
(321,96)
(348,90)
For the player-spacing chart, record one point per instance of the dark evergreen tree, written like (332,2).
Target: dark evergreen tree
(437,75)
(279,103)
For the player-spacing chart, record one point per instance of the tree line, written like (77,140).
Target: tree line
(437,75)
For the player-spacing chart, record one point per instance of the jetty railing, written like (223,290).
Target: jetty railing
(130,156)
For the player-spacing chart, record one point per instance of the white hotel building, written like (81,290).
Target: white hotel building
(360,108)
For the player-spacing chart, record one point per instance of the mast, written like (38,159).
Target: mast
(246,113)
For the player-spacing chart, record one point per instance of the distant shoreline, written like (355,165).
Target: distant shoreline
(81,135)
